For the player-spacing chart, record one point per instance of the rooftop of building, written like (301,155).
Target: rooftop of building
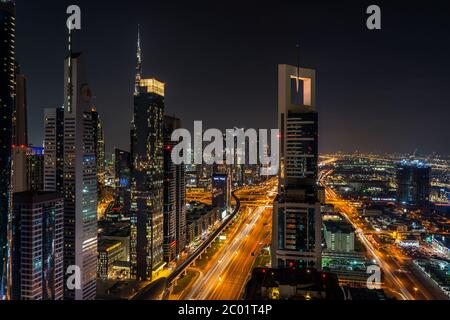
(119,290)
(106,245)
(306,279)
(36,196)
(198,208)
(332,216)
(117,229)
(338,226)
(414,163)
(152,85)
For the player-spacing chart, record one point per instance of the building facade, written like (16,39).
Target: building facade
(99,145)
(296,233)
(174,196)
(54,149)
(339,236)
(109,251)
(200,218)
(221,191)
(37,255)
(7,93)
(122,169)
(147,175)
(80,181)
(413,183)
(35,168)
(20,136)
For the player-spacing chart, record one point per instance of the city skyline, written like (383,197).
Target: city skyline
(181,214)
(365,74)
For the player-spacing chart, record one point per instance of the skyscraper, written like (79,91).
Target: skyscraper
(413,183)
(37,255)
(54,149)
(170,238)
(122,168)
(7,92)
(147,175)
(221,191)
(20,136)
(174,196)
(80,181)
(296,234)
(99,146)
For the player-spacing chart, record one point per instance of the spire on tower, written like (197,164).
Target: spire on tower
(138,64)
(297,81)
(69,80)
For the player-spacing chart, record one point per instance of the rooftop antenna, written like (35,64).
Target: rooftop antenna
(69,89)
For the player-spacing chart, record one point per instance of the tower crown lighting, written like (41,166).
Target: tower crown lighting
(153,86)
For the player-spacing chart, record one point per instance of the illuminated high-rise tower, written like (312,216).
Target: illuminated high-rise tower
(80,181)
(174,196)
(147,175)
(7,93)
(296,214)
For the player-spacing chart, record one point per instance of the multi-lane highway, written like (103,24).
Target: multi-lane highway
(224,276)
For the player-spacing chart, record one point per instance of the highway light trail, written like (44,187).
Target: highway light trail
(208,282)
(347,210)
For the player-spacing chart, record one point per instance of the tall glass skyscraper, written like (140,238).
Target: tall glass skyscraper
(296,238)
(80,181)
(174,196)
(7,93)
(147,176)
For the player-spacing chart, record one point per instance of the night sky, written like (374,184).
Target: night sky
(380,91)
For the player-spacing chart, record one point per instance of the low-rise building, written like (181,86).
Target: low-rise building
(109,251)
(339,236)
(200,217)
